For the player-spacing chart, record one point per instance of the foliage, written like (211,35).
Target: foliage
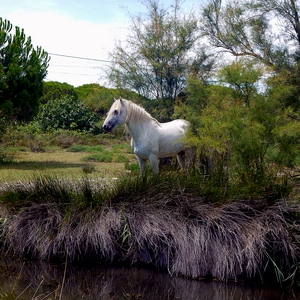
(55,90)
(239,134)
(242,76)
(66,113)
(159,54)
(22,70)
(99,98)
(86,148)
(266,31)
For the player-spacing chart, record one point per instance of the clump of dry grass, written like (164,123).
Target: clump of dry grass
(151,221)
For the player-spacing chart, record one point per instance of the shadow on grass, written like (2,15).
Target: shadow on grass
(34,165)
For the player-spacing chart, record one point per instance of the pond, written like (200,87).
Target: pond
(40,280)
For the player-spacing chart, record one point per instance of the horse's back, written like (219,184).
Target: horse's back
(171,137)
(174,128)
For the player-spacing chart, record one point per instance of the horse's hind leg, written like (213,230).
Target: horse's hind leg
(186,158)
(181,159)
(190,157)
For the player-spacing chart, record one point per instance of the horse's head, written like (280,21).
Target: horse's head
(116,115)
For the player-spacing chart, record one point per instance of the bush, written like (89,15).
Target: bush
(234,137)
(66,113)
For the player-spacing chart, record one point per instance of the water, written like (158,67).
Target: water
(41,280)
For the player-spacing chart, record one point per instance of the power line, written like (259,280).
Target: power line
(78,57)
(79,74)
(75,66)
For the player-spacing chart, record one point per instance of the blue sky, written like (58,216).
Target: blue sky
(86,29)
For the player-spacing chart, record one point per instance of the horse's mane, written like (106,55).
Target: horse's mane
(137,113)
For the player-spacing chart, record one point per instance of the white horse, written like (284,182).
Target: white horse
(149,139)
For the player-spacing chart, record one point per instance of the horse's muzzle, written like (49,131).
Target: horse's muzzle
(107,127)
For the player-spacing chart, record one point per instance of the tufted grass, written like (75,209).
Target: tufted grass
(165,221)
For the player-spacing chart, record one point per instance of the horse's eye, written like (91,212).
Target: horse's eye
(116,112)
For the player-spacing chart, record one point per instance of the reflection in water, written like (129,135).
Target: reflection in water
(40,280)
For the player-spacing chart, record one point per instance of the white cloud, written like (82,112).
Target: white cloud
(59,33)
(86,29)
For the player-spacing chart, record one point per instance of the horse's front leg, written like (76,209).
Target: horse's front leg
(142,164)
(154,161)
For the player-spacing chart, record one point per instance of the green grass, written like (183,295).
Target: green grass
(121,159)
(122,148)
(86,148)
(25,165)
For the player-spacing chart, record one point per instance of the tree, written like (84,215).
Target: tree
(99,98)
(242,76)
(159,54)
(22,70)
(240,135)
(246,28)
(267,31)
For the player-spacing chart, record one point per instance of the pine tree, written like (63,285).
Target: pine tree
(22,70)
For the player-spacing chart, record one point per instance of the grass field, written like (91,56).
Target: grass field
(68,163)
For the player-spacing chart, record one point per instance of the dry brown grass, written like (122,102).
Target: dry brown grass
(172,230)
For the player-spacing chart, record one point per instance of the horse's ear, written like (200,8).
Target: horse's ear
(115,99)
(122,101)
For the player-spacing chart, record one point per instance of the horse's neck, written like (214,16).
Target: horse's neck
(138,129)
(138,122)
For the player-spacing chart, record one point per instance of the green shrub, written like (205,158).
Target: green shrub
(5,157)
(66,113)
(77,148)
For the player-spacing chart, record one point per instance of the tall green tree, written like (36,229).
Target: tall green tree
(22,70)
(159,53)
